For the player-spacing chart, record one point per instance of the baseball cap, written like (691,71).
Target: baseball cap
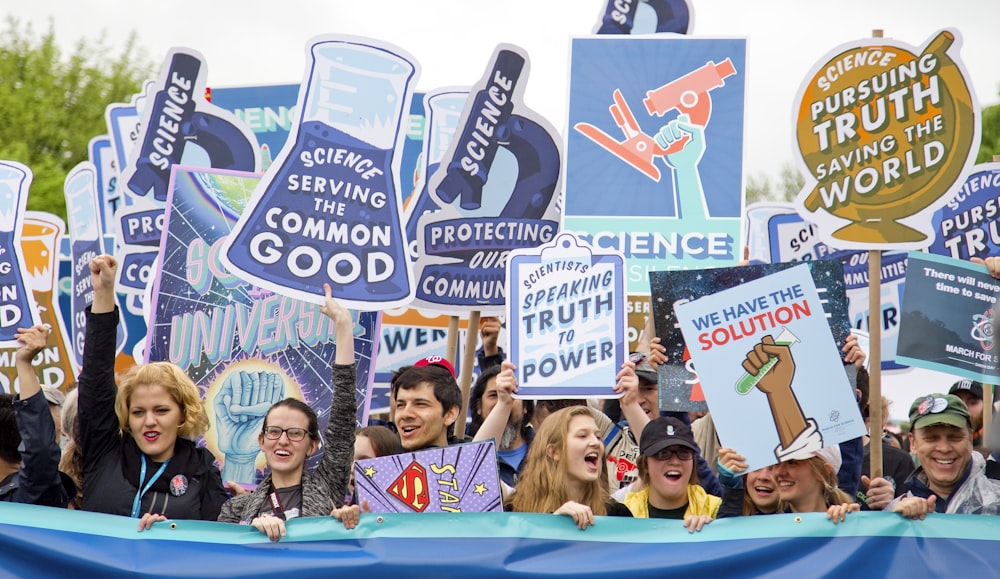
(663,432)
(643,369)
(53,395)
(970,386)
(436,360)
(831,455)
(939,409)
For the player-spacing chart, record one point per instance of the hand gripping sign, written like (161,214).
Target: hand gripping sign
(884,134)
(496,192)
(17,307)
(329,209)
(567,303)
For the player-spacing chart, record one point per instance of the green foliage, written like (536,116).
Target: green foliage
(790,183)
(990,145)
(51,105)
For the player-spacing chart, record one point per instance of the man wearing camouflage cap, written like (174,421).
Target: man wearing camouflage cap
(951,477)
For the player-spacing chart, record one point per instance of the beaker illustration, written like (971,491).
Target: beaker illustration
(330,212)
(444,111)
(40,247)
(15,299)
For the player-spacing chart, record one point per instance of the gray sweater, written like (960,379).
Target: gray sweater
(324,489)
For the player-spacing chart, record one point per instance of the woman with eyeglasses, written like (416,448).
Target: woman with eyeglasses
(666,466)
(291,435)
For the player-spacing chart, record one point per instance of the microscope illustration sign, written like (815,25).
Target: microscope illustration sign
(655,150)
(770,368)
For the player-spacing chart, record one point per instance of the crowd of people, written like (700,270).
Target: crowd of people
(132,451)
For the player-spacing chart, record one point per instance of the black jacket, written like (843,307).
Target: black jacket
(105,486)
(39,481)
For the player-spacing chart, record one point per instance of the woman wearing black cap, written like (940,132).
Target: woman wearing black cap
(666,466)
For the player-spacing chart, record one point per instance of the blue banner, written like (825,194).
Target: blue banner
(42,542)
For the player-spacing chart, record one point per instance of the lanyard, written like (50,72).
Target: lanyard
(276,507)
(141,492)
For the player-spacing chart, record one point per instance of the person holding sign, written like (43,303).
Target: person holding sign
(563,472)
(290,435)
(951,477)
(140,459)
(666,467)
(29,448)
(810,485)
(757,494)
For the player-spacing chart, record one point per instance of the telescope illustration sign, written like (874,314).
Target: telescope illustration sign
(658,139)
(885,132)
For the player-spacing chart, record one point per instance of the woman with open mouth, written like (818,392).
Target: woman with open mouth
(290,435)
(564,468)
(670,490)
(139,457)
(756,494)
(810,486)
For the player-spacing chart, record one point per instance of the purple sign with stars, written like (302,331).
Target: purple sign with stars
(246,348)
(451,479)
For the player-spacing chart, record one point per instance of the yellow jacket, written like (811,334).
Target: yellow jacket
(699,502)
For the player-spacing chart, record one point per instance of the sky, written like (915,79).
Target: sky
(248,42)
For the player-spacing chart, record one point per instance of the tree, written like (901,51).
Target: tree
(51,105)
(990,145)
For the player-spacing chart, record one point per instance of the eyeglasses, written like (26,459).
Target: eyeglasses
(680,453)
(294,434)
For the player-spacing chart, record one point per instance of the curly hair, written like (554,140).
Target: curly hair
(183,391)
(542,485)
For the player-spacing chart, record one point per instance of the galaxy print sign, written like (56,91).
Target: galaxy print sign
(245,347)
(16,304)
(567,317)
(680,388)
(329,209)
(459,478)
(496,191)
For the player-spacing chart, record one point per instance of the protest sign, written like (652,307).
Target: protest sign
(329,210)
(102,156)
(496,191)
(83,211)
(770,368)
(39,250)
(662,184)
(678,378)
(17,308)
(567,303)
(776,233)
(946,323)
(228,335)
(884,131)
(967,226)
(646,17)
(458,478)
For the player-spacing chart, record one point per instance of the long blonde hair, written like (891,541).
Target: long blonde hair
(832,495)
(184,392)
(542,487)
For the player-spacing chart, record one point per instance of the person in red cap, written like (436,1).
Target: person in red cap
(427,401)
